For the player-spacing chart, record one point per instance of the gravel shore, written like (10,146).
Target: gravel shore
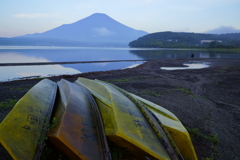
(205,100)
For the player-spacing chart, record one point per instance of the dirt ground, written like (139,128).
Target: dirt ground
(205,100)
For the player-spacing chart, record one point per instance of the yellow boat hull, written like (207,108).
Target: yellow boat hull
(124,123)
(23,130)
(177,131)
(77,134)
(126,126)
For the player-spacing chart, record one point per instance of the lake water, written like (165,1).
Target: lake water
(15,54)
(190,65)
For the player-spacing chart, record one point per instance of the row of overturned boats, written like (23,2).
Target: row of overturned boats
(88,115)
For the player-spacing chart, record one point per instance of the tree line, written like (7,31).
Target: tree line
(187,40)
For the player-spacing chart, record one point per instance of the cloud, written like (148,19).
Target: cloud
(103,31)
(35,15)
(224,29)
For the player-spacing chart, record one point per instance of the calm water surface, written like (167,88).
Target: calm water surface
(14,54)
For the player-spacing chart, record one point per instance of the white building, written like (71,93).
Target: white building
(209,41)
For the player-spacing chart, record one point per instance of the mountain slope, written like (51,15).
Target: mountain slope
(97,28)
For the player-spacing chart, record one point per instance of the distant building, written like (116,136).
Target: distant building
(170,40)
(209,41)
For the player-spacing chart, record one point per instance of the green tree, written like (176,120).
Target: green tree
(212,44)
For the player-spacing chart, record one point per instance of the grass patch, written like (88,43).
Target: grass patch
(221,71)
(215,150)
(54,123)
(186,91)
(19,88)
(207,117)
(116,154)
(194,132)
(49,150)
(150,93)
(207,158)
(224,69)
(121,80)
(10,104)
(120,153)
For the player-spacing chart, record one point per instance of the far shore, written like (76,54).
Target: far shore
(205,100)
(126,47)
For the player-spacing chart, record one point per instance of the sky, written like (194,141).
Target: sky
(20,17)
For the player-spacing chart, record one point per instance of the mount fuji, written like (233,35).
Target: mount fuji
(96,30)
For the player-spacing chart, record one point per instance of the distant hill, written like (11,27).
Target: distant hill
(186,40)
(95,30)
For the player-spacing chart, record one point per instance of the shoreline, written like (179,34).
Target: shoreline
(205,100)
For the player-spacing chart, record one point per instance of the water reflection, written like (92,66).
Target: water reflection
(191,65)
(13,54)
(90,67)
(132,66)
(16,72)
(181,53)
(74,54)
(14,57)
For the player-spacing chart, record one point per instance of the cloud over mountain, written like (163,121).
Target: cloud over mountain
(103,31)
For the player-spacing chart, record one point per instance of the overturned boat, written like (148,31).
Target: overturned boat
(91,114)
(23,131)
(146,129)
(79,132)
